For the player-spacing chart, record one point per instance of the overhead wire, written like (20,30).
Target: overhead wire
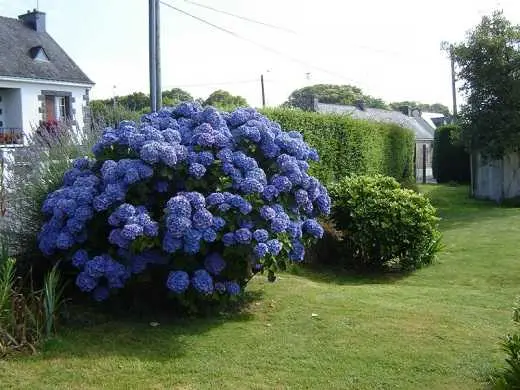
(245,18)
(261,45)
(287,30)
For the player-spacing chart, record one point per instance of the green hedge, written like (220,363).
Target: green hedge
(350,146)
(450,159)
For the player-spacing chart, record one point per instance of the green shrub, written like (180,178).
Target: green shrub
(27,314)
(450,159)
(350,146)
(509,378)
(44,161)
(384,226)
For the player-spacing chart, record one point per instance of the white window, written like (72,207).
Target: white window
(62,107)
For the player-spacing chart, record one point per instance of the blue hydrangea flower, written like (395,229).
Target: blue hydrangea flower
(260,250)
(197,170)
(214,263)
(64,240)
(80,258)
(85,282)
(274,246)
(228,239)
(267,213)
(218,223)
(202,282)
(215,198)
(178,281)
(243,236)
(260,235)
(171,244)
(297,251)
(202,219)
(312,227)
(232,288)
(209,235)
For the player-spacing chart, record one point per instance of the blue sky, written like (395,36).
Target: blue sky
(391,49)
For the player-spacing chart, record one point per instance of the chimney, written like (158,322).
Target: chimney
(406,110)
(34,20)
(360,104)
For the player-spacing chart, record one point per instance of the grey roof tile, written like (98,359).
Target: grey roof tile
(421,128)
(16,42)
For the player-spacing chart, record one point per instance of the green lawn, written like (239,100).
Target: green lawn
(438,328)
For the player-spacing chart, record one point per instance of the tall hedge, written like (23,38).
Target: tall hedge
(450,159)
(351,146)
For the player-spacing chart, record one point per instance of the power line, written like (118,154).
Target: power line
(261,45)
(216,83)
(285,29)
(247,19)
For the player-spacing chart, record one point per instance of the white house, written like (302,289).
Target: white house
(40,84)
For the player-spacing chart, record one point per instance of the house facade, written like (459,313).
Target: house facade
(422,124)
(40,85)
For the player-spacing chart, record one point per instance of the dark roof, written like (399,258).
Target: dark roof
(421,128)
(17,42)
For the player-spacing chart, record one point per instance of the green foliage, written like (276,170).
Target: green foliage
(450,159)
(132,106)
(488,62)
(108,115)
(435,107)
(224,101)
(175,96)
(29,187)
(509,378)
(350,146)
(332,94)
(52,298)
(383,225)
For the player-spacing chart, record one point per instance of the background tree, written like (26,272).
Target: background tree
(175,96)
(425,107)
(489,67)
(332,94)
(223,100)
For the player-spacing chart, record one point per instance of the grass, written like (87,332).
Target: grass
(437,328)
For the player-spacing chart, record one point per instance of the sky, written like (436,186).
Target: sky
(390,49)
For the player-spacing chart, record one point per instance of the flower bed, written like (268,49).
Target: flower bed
(207,198)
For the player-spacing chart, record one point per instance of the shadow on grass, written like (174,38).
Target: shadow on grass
(158,337)
(341,276)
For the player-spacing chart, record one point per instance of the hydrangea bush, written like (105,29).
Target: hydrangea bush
(207,198)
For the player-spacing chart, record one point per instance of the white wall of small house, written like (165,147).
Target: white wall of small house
(31,106)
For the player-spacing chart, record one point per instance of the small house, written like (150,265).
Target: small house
(40,85)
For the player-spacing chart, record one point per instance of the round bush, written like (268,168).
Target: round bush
(383,225)
(205,199)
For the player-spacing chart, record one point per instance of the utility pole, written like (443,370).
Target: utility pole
(158,89)
(154,55)
(263,90)
(453,87)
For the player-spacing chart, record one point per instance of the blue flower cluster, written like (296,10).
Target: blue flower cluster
(131,223)
(231,191)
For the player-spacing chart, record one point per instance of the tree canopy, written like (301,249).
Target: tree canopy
(425,107)
(332,94)
(489,67)
(223,100)
(140,102)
